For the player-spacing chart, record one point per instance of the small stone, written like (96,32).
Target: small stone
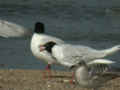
(66,80)
(1,77)
(49,86)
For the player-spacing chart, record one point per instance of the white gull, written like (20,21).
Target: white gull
(40,38)
(68,54)
(96,73)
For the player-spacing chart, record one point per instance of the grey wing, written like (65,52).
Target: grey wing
(73,59)
(77,53)
(108,71)
(70,55)
(87,53)
(98,68)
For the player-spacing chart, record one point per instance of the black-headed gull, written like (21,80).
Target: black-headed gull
(96,73)
(68,54)
(9,29)
(38,39)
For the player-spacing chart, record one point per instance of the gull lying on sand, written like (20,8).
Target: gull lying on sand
(96,73)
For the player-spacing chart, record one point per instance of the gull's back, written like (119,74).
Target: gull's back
(68,54)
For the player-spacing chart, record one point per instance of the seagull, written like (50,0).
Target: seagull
(10,29)
(96,73)
(69,55)
(38,39)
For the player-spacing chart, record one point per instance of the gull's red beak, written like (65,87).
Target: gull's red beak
(42,48)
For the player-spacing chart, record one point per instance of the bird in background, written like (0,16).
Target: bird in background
(10,29)
(96,73)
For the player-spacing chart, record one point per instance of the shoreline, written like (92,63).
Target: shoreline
(20,79)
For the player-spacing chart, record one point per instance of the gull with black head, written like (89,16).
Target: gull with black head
(69,55)
(39,38)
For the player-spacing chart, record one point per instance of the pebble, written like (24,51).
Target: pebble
(49,86)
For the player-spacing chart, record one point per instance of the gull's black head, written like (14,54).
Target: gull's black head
(48,46)
(39,27)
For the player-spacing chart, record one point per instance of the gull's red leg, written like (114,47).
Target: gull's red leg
(48,70)
(71,81)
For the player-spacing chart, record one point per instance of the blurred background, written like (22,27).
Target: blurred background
(93,23)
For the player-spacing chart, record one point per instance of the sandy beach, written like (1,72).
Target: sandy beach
(16,79)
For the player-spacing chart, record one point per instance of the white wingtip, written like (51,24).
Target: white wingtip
(102,61)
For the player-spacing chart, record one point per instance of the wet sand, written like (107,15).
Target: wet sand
(15,79)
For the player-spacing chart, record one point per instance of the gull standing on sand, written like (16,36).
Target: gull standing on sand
(39,39)
(9,29)
(69,55)
(96,73)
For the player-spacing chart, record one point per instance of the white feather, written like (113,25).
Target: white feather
(41,39)
(10,29)
(101,61)
(68,54)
